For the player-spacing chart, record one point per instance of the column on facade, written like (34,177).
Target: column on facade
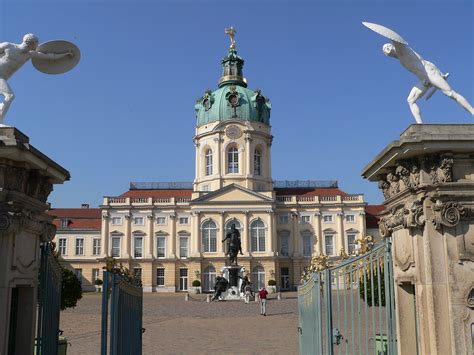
(318,246)
(273,233)
(245,233)
(195,237)
(269,161)
(362,225)
(128,235)
(172,239)
(105,235)
(340,233)
(198,165)
(247,159)
(295,234)
(151,236)
(221,235)
(217,169)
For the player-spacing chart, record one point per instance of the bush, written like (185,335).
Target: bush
(98,282)
(196,283)
(71,290)
(272,283)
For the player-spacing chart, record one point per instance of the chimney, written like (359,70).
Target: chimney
(85,205)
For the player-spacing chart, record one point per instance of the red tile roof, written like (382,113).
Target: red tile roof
(310,192)
(371,215)
(78,218)
(158,193)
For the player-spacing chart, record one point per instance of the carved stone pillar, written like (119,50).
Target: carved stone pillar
(295,235)
(427,178)
(27,177)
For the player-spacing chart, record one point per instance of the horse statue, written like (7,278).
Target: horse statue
(220,287)
(234,244)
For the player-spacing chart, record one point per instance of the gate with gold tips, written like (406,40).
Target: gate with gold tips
(348,308)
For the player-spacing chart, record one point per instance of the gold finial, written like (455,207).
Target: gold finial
(231,33)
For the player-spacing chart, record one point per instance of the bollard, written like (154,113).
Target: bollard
(256,298)
(186,297)
(208,298)
(279,296)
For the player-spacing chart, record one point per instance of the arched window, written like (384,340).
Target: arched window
(233,160)
(228,226)
(284,243)
(257,162)
(257,235)
(209,236)
(209,279)
(258,277)
(208,162)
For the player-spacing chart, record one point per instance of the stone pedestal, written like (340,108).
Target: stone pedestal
(427,178)
(26,179)
(234,275)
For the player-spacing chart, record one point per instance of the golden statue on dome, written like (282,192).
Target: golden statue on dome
(231,33)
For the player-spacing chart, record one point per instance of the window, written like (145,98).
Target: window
(307,245)
(64,222)
(115,250)
(257,235)
(183,247)
(209,237)
(329,244)
(351,243)
(285,278)
(305,219)
(137,272)
(327,218)
(284,243)
(209,279)
(79,246)
(205,188)
(233,160)
(258,277)
(95,275)
(62,246)
(209,162)
(160,277)
(160,247)
(257,163)
(283,218)
(139,221)
(96,246)
(183,220)
(183,279)
(116,221)
(78,273)
(350,218)
(138,246)
(161,220)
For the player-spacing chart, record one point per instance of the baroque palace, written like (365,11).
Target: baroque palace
(171,233)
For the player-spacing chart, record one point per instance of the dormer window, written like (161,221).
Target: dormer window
(64,222)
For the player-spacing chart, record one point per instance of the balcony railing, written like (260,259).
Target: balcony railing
(295,199)
(139,201)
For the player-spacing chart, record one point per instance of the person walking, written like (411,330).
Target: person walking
(247,292)
(262,295)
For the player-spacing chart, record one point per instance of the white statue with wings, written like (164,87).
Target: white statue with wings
(431,78)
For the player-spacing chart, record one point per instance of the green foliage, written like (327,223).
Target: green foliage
(71,290)
(98,282)
(272,283)
(196,283)
(367,295)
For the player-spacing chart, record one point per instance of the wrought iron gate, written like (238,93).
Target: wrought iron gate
(126,308)
(49,303)
(349,308)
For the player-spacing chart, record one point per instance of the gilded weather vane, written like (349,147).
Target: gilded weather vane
(231,33)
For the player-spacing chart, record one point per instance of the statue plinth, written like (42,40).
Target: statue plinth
(427,178)
(27,177)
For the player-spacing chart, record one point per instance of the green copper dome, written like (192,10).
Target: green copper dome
(232,100)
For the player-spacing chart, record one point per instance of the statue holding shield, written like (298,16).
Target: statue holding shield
(53,57)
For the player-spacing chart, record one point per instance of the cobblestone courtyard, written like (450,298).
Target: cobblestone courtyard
(174,326)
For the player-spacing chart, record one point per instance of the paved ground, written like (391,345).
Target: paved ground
(174,326)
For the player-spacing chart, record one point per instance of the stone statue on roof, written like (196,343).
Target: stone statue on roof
(431,78)
(54,57)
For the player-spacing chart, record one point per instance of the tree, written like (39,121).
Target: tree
(71,289)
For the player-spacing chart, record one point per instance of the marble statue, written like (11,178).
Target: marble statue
(13,56)
(431,78)
(231,33)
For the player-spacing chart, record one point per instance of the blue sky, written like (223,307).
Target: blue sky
(126,112)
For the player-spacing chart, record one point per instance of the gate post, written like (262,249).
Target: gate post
(27,177)
(427,178)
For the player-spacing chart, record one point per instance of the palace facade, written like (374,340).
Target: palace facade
(171,233)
